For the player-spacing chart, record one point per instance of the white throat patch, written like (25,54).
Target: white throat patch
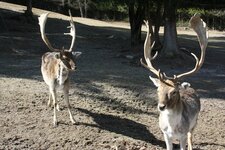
(62,74)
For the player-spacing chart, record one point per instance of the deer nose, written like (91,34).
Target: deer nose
(74,68)
(161,107)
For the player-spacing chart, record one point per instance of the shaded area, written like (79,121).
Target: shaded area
(122,126)
(213,144)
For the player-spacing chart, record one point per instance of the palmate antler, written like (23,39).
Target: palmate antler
(199,27)
(42,21)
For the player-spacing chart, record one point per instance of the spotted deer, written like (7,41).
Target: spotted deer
(57,65)
(178,104)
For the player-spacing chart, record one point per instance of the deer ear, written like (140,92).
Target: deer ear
(155,81)
(76,54)
(185,85)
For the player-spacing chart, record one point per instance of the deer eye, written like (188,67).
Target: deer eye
(173,93)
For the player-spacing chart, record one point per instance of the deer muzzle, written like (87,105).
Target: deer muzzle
(161,107)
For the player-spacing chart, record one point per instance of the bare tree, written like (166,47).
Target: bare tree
(85,8)
(81,8)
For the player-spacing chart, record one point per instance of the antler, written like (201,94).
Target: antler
(147,53)
(199,27)
(42,21)
(72,32)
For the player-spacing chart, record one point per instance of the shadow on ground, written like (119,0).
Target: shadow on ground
(122,126)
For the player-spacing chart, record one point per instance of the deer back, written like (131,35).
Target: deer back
(190,103)
(50,67)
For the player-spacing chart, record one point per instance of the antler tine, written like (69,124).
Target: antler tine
(72,32)
(199,26)
(42,21)
(147,52)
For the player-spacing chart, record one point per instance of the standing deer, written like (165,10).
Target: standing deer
(56,66)
(178,104)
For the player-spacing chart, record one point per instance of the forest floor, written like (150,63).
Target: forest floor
(112,99)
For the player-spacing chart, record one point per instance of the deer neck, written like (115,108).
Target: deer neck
(176,106)
(63,73)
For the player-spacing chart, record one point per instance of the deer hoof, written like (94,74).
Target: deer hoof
(55,123)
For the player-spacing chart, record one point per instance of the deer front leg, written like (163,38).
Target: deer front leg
(183,141)
(168,140)
(53,93)
(66,95)
(50,99)
(189,141)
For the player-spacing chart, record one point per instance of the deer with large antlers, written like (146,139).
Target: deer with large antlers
(178,104)
(57,65)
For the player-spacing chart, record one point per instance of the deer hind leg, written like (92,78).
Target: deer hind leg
(50,100)
(66,96)
(53,93)
(189,141)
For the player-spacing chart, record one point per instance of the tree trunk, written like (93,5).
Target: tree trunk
(63,3)
(81,9)
(170,48)
(158,18)
(136,17)
(69,3)
(85,8)
(29,12)
(151,30)
(149,18)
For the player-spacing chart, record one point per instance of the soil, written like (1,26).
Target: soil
(112,99)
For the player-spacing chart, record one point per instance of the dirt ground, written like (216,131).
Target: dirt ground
(112,99)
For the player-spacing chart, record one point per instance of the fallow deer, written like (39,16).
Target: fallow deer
(178,104)
(57,65)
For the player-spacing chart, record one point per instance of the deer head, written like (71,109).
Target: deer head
(67,56)
(168,87)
